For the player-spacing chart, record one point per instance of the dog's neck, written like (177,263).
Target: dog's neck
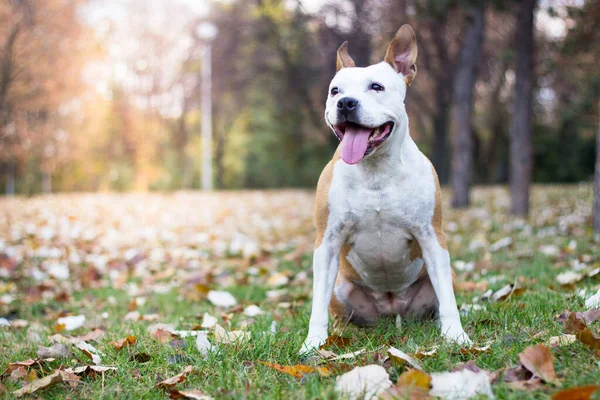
(392,158)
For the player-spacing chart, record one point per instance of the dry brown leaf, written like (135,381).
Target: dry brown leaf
(562,340)
(474,350)
(470,286)
(297,371)
(93,335)
(189,394)
(128,341)
(18,373)
(162,336)
(420,354)
(230,337)
(414,377)
(326,354)
(167,383)
(540,361)
(348,355)
(90,369)
(576,393)
(90,351)
(56,377)
(57,350)
(575,324)
(337,341)
(400,358)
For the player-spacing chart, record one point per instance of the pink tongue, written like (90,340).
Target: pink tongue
(354,144)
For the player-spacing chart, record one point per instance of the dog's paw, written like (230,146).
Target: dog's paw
(457,335)
(311,343)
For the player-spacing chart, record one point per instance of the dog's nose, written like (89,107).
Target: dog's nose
(347,104)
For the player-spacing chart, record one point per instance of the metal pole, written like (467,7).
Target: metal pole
(207,171)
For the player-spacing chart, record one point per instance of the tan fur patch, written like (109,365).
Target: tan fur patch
(437,218)
(322,199)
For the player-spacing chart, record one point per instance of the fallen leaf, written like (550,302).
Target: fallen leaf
(167,383)
(470,286)
(221,298)
(90,351)
(57,350)
(229,337)
(459,385)
(475,350)
(591,315)
(297,371)
(507,292)
(347,356)
(203,345)
(575,324)
(363,382)
(253,311)
(414,377)
(420,354)
(56,377)
(540,361)
(399,358)
(162,336)
(562,340)
(569,277)
(89,369)
(128,341)
(93,335)
(18,373)
(189,394)
(337,341)
(208,321)
(71,322)
(326,354)
(576,393)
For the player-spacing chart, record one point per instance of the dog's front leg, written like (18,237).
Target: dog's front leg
(437,262)
(326,262)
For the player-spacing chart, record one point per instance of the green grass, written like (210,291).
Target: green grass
(233,371)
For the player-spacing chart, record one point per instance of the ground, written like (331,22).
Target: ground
(130,261)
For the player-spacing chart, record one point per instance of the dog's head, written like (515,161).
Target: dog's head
(365,106)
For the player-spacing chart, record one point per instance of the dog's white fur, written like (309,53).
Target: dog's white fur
(378,206)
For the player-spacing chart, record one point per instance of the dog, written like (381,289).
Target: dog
(380,249)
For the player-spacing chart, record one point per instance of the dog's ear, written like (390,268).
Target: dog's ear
(343,59)
(402,53)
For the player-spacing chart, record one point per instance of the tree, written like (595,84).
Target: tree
(521,159)
(597,179)
(466,75)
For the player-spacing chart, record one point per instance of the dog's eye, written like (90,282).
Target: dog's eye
(377,87)
(334,91)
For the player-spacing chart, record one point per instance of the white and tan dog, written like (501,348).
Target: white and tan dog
(380,248)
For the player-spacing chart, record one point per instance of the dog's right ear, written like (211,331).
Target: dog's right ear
(402,53)
(343,59)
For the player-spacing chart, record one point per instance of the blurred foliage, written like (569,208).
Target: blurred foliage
(68,125)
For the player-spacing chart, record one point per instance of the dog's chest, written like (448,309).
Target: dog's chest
(377,224)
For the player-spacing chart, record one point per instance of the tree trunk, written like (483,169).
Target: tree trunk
(597,180)
(46,183)
(521,159)
(9,184)
(466,75)
(439,155)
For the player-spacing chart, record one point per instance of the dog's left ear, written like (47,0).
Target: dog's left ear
(343,59)
(402,53)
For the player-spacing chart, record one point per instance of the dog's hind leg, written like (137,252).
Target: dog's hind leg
(352,303)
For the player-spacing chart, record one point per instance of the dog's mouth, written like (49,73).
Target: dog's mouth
(359,141)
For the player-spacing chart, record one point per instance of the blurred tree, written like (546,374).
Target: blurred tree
(521,159)
(464,82)
(597,180)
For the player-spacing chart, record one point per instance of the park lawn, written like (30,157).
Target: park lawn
(556,239)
